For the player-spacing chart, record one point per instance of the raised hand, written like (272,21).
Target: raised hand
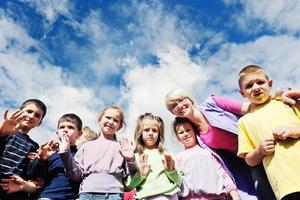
(144,167)
(127,150)
(64,143)
(48,149)
(168,162)
(11,124)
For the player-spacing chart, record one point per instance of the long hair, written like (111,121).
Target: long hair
(138,134)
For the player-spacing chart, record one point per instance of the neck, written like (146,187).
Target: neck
(107,137)
(253,105)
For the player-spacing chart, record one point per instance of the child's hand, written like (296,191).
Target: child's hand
(12,184)
(283,132)
(168,162)
(32,155)
(11,124)
(64,143)
(127,150)
(144,166)
(267,147)
(48,149)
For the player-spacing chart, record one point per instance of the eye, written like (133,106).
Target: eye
(248,86)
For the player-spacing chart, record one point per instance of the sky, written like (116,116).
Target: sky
(80,56)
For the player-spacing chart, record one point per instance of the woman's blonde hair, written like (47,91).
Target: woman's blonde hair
(174,95)
(138,134)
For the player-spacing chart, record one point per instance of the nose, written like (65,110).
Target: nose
(255,86)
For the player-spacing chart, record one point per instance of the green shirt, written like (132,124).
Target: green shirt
(158,181)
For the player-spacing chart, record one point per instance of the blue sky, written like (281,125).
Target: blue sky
(78,56)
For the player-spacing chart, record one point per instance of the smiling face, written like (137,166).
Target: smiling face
(110,123)
(181,106)
(256,87)
(186,134)
(150,133)
(31,117)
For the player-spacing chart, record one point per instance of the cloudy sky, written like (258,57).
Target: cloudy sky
(78,56)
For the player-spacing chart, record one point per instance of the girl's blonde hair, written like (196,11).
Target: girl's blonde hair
(122,122)
(138,134)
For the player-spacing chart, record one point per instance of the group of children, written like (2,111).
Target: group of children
(105,168)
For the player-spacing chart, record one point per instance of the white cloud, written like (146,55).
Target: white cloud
(24,76)
(51,9)
(146,87)
(278,15)
(278,55)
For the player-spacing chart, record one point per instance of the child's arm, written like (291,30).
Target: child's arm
(228,182)
(170,170)
(16,184)
(11,124)
(140,176)
(71,167)
(283,132)
(255,157)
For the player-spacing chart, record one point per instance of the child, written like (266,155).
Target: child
(15,144)
(87,135)
(203,176)
(101,164)
(270,133)
(157,177)
(57,185)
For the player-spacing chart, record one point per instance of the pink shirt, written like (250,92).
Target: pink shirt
(218,138)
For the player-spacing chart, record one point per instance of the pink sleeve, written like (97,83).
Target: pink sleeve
(228,182)
(230,105)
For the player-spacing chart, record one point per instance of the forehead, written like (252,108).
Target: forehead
(150,122)
(34,108)
(253,77)
(68,123)
(112,113)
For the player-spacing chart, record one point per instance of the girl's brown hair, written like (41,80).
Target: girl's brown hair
(122,122)
(138,134)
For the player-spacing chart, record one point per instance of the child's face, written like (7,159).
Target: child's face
(110,123)
(31,117)
(150,133)
(256,87)
(181,107)
(186,135)
(69,128)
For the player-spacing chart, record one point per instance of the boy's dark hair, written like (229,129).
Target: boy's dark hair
(70,117)
(37,103)
(180,120)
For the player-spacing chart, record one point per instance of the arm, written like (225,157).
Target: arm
(71,167)
(255,157)
(170,170)
(231,105)
(16,184)
(283,133)
(229,184)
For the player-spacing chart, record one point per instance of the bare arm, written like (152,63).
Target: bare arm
(255,157)
(283,132)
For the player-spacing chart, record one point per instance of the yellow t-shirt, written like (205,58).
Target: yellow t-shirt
(282,167)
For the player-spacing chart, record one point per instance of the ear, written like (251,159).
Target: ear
(79,134)
(241,92)
(270,83)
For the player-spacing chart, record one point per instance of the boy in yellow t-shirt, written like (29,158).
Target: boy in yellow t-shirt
(270,133)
